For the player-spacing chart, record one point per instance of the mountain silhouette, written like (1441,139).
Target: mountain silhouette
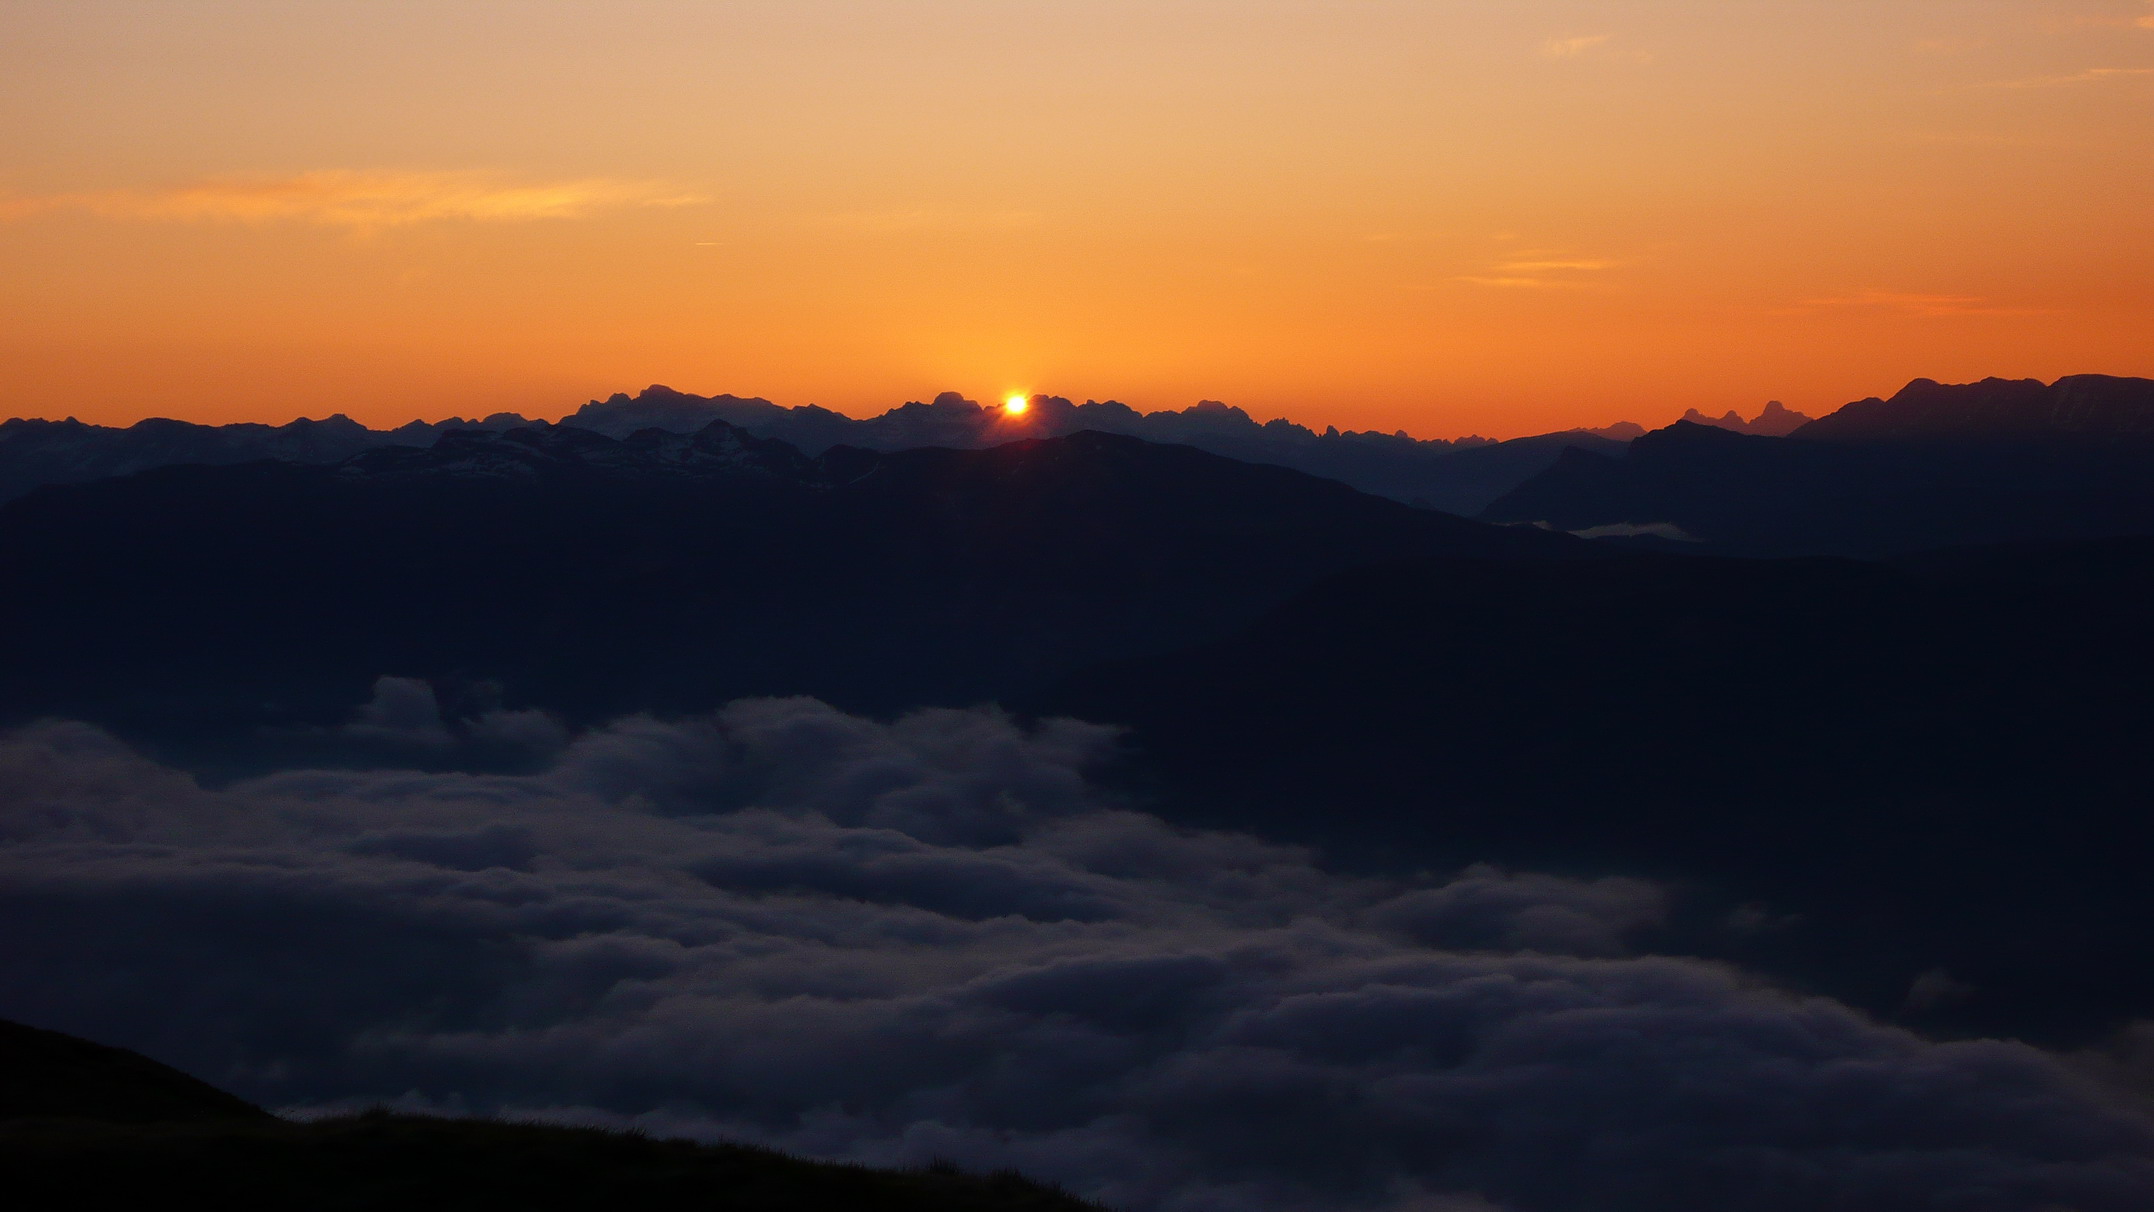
(55,1076)
(35,453)
(1933,467)
(2083,407)
(1776,421)
(1456,476)
(664,572)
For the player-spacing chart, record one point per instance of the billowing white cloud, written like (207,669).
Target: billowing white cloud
(936,937)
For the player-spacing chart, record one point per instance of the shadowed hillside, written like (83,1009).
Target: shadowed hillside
(1934,466)
(663,572)
(55,1076)
(84,1125)
(1936,765)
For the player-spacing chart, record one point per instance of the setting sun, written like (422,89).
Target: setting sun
(1016,405)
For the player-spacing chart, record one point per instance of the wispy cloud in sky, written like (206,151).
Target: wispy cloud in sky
(1542,266)
(357,200)
(1915,304)
(2092,75)
(1571,48)
(1536,268)
(887,222)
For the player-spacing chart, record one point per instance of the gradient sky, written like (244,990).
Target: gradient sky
(1498,217)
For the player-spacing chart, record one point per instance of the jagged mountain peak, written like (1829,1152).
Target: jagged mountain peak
(2075,407)
(1776,420)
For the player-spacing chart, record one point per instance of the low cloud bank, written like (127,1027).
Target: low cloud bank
(933,937)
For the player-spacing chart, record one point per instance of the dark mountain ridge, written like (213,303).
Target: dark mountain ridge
(536,452)
(664,572)
(2074,408)
(35,452)
(1457,476)
(1933,467)
(1777,421)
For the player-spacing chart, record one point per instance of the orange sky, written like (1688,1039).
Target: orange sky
(1498,216)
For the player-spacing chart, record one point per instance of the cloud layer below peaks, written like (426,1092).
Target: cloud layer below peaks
(935,937)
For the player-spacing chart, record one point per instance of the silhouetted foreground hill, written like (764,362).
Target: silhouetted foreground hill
(663,572)
(1941,765)
(83,1125)
(1932,467)
(54,1076)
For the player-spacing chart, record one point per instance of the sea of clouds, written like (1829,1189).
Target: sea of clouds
(936,938)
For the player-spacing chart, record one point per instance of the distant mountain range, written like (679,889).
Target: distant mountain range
(2091,408)
(1777,421)
(1859,744)
(1934,466)
(1990,461)
(664,572)
(1456,476)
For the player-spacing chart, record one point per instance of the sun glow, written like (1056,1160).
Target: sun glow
(1016,405)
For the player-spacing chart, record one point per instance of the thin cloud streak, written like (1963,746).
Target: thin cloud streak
(909,221)
(1542,266)
(1914,304)
(1571,48)
(1537,269)
(359,200)
(2092,75)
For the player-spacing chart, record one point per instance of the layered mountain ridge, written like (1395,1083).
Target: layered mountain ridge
(1777,421)
(665,571)
(2075,407)
(1457,476)
(1934,466)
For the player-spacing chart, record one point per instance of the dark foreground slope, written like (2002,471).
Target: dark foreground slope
(1932,766)
(49,1075)
(1934,466)
(661,573)
(83,1125)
